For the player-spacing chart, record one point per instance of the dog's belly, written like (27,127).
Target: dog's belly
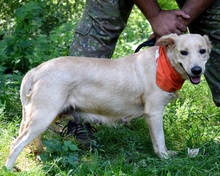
(107,107)
(110,114)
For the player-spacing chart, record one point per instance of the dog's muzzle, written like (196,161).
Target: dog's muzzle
(196,71)
(195,77)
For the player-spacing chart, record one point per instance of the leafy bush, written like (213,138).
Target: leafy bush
(9,95)
(32,30)
(64,154)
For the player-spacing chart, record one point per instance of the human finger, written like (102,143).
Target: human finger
(177,31)
(181,27)
(181,13)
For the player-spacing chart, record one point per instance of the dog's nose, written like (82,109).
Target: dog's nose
(196,70)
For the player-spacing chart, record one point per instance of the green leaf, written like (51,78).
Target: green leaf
(70,145)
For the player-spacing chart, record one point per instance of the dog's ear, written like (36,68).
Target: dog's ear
(208,42)
(167,40)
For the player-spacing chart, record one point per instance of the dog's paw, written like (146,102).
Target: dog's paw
(163,155)
(167,154)
(172,153)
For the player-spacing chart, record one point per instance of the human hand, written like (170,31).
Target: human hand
(168,21)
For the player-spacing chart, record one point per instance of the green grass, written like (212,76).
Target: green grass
(192,121)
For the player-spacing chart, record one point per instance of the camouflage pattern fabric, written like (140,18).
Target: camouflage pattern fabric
(209,23)
(102,22)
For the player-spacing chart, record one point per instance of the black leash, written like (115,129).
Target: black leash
(149,43)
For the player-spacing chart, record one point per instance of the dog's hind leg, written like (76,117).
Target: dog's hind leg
(23,121)
(32,128)
(38,141)
(38,145)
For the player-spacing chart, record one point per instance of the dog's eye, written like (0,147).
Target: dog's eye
(184,53)
(202,51)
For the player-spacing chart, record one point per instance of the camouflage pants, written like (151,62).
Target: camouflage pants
(103,21)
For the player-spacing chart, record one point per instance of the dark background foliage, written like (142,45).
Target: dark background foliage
(27,31)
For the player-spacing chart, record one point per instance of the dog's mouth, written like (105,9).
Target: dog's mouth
(195,79)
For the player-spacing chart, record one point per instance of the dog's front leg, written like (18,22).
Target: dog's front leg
(154,118)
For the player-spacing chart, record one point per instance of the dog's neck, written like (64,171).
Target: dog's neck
(167,78)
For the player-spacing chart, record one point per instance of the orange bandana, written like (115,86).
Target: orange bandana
(167,78)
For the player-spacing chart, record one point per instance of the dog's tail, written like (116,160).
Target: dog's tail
(25,96)
(26,88)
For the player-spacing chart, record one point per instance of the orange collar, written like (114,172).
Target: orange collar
(167,78)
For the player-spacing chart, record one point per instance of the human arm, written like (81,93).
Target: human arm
(162,21)
(194,8)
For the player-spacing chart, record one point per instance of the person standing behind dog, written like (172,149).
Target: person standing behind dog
(103,21)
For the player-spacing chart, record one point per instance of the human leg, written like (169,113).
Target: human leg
(97,32)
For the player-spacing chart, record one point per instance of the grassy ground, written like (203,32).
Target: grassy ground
(190,122)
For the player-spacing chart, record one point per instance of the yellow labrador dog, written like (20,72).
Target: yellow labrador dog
(110,90)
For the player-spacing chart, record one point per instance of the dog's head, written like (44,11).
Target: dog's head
(188,54)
